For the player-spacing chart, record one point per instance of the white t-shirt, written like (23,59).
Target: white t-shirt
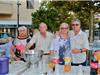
(20,41)
(41,42)
(79,41)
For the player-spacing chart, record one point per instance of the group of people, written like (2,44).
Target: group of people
(73,44)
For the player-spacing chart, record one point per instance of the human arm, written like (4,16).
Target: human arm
(76,50)
(13,50)
(31,42)
(12,53)
(82,45)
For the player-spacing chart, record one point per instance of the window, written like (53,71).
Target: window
(30,4)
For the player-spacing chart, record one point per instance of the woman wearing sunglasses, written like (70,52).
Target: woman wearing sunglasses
(60,49)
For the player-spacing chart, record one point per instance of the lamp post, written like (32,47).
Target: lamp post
(18,12)
(91,27)
(99,31)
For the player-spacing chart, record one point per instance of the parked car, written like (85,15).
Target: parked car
(4,38)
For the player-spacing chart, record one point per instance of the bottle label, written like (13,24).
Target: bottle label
(94,65)
(55,60)
(98,63)
(67,60)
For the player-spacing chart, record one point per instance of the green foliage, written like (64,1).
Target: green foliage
(53,13)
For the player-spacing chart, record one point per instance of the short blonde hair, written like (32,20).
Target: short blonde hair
(64,24)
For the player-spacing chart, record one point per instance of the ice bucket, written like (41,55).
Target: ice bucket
(31,56)
(4,65)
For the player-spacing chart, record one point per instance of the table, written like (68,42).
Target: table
(74,71)
(17,67)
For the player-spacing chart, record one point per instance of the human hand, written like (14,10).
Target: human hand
(76,50)
(16,58)
(51,52)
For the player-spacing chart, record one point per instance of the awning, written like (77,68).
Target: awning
(13,23)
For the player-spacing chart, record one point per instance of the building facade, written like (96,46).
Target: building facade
(14,13)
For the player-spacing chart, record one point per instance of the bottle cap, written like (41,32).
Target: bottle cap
(99,61)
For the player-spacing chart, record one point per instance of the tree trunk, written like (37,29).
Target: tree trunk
(91,28)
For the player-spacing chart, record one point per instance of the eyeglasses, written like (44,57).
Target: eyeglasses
(63,28)
(75,24)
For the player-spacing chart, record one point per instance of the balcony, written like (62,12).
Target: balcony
(6,8)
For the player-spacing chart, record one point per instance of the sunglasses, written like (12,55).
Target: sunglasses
(75,24)
(63,28)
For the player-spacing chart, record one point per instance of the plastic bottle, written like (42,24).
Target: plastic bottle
(56,57)
(56,61)
(56,54)
(99,67)
(93,70)
(67,66)
(57,69)
(80,70)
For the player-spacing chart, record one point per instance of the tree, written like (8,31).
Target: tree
(55,12)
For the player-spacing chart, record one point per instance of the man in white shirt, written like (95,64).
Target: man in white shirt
(79,43)
(43,40)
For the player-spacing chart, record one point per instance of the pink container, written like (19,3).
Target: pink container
(55,60)
(94,65)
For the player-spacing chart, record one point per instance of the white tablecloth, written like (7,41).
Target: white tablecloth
(17,67)
(74,71)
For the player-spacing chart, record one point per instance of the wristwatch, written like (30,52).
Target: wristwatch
(81,50)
